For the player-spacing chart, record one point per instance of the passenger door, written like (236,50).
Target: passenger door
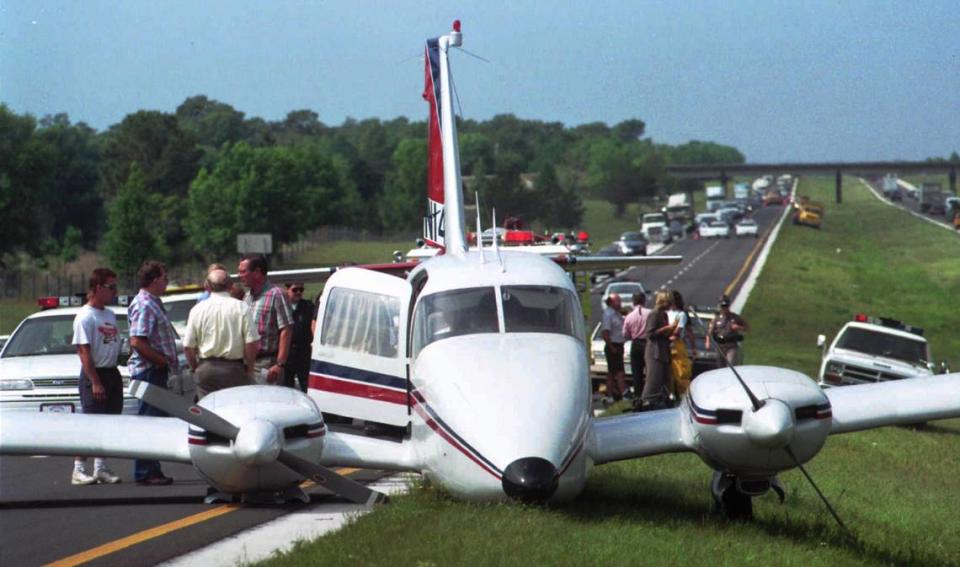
(359,362)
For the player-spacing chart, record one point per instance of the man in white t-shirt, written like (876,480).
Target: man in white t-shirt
(611,329)
(98,343)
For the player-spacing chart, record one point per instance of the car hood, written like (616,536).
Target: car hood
(878,362)
(43,366)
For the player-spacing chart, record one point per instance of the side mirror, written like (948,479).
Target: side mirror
(821,340)
(944,369)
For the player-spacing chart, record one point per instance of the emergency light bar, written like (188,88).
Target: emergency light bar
(53,301)
(889,323)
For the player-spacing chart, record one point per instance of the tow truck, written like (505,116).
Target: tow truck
(875,349)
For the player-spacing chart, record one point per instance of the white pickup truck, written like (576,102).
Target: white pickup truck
(874,349)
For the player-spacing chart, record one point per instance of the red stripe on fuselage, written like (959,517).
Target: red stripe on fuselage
(446,436)
(705,420)
(346,388)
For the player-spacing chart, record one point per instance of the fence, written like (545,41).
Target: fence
(29,285)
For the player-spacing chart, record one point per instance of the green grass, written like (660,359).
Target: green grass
(12,311)
(897,488)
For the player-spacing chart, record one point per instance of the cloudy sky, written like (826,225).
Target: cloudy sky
(782,81)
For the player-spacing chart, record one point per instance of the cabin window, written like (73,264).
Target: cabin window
(454,313)
(541,309)
(361,321)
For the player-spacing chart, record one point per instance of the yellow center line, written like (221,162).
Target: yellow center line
(748,261)
(157,531)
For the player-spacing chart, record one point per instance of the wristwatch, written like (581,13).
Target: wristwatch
(281,364)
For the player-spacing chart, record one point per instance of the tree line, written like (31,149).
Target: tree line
(180,186)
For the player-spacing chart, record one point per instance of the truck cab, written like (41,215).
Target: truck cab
(654,226)
(874,349)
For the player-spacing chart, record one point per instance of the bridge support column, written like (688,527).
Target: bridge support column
(723,182)
(839,187)
(952,176)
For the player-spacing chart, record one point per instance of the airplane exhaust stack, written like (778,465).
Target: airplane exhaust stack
(530,480)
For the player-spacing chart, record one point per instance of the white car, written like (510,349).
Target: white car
(715,229)
(40,368)
(625,290)
(178,306)
(746,227)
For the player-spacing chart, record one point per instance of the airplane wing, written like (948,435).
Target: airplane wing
(587,263)
(342,449)
(899,402)
(86,435)
(320,275)
(643,434)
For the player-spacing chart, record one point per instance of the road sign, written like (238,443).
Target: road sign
(252,243)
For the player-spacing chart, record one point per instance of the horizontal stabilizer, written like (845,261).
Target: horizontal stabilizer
(638,435)
(320,275)
(86,435)
(900,402)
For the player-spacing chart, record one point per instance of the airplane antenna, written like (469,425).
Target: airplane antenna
(496,246)
(757,404)
(474,55)
(480,229)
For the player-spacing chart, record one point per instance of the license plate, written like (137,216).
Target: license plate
(58,408)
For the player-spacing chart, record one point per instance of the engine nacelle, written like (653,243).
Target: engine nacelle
(731,436)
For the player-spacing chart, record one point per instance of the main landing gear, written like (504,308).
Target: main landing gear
(733,496)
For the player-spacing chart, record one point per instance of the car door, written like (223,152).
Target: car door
(359,365)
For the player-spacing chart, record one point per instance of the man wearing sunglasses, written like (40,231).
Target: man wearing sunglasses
(304,314)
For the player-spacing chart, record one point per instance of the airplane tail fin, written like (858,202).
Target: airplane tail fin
(443,226)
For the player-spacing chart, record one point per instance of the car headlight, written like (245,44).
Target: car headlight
(834,368)
(20,384)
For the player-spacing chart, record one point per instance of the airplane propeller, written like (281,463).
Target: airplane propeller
(757,405)
(207,420)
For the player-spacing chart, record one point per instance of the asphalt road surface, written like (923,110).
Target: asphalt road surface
(43,518)
(710,267)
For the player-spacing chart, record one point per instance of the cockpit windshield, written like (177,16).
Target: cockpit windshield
(454,313)
(540,309)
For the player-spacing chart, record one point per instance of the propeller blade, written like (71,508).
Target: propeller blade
(823,498)
(177,406)
(754,400)
(337,483)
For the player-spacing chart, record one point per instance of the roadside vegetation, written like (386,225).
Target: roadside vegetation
(896,488)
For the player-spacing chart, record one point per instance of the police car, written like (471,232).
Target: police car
(875,349)
(40,368)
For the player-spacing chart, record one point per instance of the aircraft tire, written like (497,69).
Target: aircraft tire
(736,505)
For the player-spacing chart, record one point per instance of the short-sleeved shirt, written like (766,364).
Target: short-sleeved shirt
(98,328)
(271,313)
(679,317)
(612,321)
(635,324)
(721,323)
(148,319)
(220,327)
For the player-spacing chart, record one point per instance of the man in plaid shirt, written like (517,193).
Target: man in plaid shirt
(154,352)
(272,316)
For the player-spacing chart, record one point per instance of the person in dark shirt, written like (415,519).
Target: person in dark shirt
(304,315)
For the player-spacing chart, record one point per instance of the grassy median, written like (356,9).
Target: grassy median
(896,488)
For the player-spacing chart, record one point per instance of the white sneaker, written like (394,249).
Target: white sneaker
(106,476)
(81,477)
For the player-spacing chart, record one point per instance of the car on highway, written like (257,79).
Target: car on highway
(633,244)
(39,365)
(715,229)
(625,290)
(746,227)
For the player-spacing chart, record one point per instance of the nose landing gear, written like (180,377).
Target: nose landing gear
(733,496)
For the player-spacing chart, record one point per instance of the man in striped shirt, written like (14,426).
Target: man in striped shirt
(153,342)
(272,316)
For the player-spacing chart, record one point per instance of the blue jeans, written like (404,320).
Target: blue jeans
(143,468)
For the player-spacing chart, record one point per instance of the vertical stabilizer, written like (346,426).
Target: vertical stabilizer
(443,225)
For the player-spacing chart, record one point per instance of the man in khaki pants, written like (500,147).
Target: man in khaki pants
(221,340)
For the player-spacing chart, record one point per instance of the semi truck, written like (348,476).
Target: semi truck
(715,197)
(932,198)
(891,188)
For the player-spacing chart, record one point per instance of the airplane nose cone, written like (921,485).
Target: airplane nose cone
(530,479)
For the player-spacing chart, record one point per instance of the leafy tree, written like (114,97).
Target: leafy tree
(629,130)
(402,205)
(560,206)
(25,176)
(211,123)
(131,238)
(72,239)
(611,174)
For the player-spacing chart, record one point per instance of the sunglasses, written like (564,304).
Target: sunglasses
(296,289)
(111,287)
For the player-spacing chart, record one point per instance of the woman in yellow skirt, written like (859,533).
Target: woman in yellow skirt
(681,365)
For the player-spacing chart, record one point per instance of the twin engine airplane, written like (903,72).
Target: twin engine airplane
(480,355)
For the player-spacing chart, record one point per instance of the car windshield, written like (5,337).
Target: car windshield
(747,223)
(178,311)
(454,313)
(631,236)
(49,335)
(541,309)
(884,344)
